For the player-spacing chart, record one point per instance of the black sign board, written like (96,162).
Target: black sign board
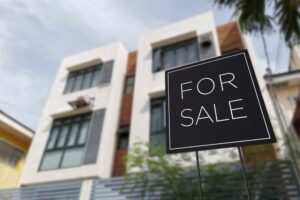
(215,103)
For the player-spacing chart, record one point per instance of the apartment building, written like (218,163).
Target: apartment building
(106,99)
(15,139)
(285,88)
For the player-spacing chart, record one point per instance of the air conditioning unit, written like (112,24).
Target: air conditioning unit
(81,102)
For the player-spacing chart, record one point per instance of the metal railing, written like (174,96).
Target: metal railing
(271,180)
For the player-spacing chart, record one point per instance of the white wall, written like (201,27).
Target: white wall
(152,85)
(295,58)
(106,96)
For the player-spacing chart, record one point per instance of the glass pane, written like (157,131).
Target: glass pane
(87,79)
(51,160)
(72,157)
(96,77)
(129,84)
(5,152)
(73,134)
(180,56)
(164,113)
(158,140)
(16,156)
(57,122)
(123,141)
(70,84)
(129,81)
(52,138)
(78,82)
(168,58)
(83,132)
(156,60)
(62,136)
(129,89)
(192,52)
(156,119)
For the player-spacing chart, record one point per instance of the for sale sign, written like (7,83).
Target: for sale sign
(215,103)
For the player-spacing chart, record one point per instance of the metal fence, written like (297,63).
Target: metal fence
(58,191)
(268,181)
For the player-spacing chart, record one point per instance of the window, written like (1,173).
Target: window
(129,84)
(123,140)
(10,155)
(83,79)
(158,123)
(175,55)
(66,142)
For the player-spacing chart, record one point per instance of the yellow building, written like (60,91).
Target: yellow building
(15,139)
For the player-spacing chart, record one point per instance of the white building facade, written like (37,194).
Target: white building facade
(76,143)
(78,137)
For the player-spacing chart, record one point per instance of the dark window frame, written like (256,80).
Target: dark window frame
(159,53)
(129,86)
(60,124)
(157,102)
(11,154)
(77,73)
(122,132)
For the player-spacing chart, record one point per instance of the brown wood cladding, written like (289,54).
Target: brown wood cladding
(259,153)
(119,164)
(131,64)
(126,109)
(125,116)
(127,99)
(229,37)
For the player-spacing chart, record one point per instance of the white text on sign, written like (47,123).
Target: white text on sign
(191,117)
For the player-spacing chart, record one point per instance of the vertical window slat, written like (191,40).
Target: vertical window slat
(157,65)
(96,77)
(158,124)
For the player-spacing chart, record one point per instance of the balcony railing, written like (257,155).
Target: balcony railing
(271,181)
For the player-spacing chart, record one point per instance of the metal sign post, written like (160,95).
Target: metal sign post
(199,176)
(244,173)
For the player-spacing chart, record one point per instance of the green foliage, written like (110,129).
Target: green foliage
(160,176)
(176,176)
(288,15)
(253,17)
(156,172)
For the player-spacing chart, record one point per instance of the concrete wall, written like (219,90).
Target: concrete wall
(295,58)
(150,85)
(106,96)
(286,99)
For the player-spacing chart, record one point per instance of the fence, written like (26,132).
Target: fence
(268,181)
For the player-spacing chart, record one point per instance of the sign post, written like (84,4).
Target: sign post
(199,176)
(244,174)
(216,103)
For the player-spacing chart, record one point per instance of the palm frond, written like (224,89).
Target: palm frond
(226,3)
(288,16)
(252,17)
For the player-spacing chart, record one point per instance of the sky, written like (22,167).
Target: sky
(36,34)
